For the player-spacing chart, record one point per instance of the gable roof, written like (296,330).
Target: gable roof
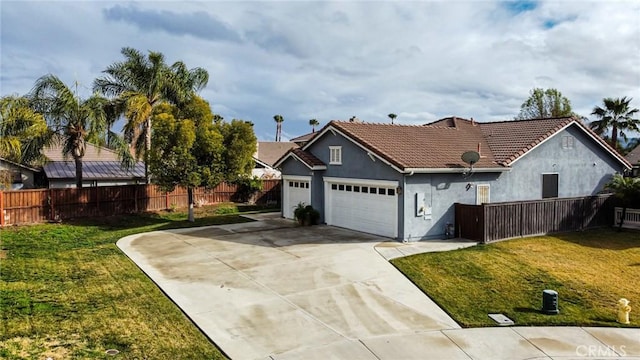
(270,151)
(438,146)
(93,170)
(634,156)
(307,158)
(510,140)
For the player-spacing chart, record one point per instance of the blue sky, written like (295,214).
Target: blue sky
(422,60)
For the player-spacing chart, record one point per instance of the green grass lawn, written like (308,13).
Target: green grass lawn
(590,271)
(67,292)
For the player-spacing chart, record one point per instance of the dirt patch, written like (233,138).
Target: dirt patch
(3,254)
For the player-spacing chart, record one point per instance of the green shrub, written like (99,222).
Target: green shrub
(306,214)
(226,209)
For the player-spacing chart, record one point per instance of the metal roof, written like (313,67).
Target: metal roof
(93,170)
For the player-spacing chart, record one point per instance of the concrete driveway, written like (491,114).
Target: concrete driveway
(268,288)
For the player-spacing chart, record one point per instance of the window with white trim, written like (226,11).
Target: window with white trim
(483,194)
(335,155)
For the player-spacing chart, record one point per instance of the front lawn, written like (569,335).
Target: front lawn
(590,271)
(67,292)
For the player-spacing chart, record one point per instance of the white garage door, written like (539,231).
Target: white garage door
(296,189)
(363,205)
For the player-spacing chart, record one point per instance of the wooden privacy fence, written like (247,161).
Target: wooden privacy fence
(497,221)
(41,205)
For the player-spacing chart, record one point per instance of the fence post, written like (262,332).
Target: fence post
(98,201)
(52,214)
(166,201)
(135,198)
(1,208)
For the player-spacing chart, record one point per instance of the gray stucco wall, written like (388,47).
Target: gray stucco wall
(582,171)
(440,191)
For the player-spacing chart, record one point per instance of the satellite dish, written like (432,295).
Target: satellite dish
(470,157)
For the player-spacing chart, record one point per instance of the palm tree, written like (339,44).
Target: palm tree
(75,121)
(23,131)
(616,115)
(627,189)
(313,123)
(139,84)
(278,119)
(392,116)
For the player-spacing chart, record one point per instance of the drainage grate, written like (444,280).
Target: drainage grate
(501,319)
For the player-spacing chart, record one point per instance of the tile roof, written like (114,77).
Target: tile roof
(634,156)
(509,140)
(307,157)
(270,151)
(439,145)
(93,170)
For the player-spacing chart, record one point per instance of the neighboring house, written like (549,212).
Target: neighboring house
(402,181)
(634,158)
(267,153)
(100,167)
(14,176)
(304,139)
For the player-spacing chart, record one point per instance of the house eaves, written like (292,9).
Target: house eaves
(19,165)
(454,170)
(292,154)
(312,167)
(262,163)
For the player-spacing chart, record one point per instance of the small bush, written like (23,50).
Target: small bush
(306,214)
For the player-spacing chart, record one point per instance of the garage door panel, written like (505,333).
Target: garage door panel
(295,192)
(368,211)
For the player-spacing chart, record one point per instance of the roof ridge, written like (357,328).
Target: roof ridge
(418,126)
(524,120)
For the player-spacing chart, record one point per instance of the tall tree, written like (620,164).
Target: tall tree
(392,116)
(627,189)
(545,104)
(617,115)
(139,84)
(73,120)
(23,131)
(313,123)
(187,149)
(240,143)
(278,119)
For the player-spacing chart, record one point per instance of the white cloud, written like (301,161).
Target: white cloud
(334,60)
